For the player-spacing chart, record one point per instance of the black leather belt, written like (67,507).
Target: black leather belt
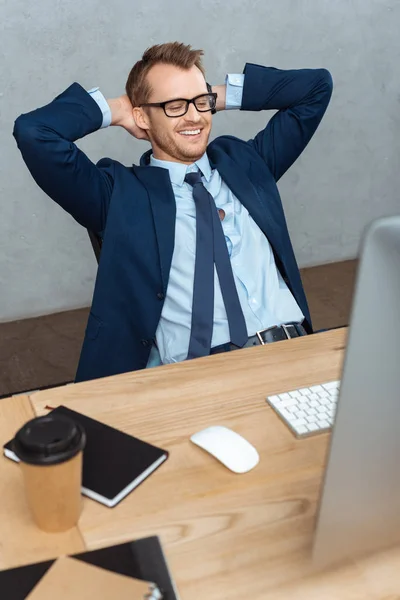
(277,333)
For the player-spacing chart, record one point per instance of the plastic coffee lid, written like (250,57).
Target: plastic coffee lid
(49,440)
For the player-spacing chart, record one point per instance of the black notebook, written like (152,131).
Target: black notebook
(114,463)
(142,559)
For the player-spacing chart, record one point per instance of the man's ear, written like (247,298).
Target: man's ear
(140,117)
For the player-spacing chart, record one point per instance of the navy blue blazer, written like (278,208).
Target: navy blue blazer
(133,208)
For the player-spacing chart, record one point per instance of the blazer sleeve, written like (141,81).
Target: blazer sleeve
(46,139)
(301,98)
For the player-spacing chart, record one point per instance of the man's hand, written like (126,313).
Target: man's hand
(122,115)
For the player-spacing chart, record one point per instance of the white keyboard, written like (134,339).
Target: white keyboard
(308,411)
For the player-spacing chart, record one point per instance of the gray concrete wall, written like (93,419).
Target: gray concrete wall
(349,174)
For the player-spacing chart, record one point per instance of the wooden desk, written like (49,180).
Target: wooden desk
(21,541)
(226,535)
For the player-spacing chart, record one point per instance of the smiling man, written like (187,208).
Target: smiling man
(196,257)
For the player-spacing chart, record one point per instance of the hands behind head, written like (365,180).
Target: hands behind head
(122,115)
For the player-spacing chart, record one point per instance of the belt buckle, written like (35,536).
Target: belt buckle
(284,327)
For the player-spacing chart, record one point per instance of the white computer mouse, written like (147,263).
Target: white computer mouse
(236,453)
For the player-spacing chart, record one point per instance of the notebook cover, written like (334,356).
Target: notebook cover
(112,460)
(143,559)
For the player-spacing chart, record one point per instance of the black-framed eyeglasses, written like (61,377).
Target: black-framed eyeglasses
(180,106)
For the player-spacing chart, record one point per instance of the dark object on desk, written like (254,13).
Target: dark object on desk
(49,440)
(142,559)
(114,463)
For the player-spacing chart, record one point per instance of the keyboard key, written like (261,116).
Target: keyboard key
(313,397)
(323,394)
(311,411)
(274,399)
(298,422)
(325,401)
(313,427)
(324,424)
(285,414)
(322,419)
(314,403)
(300,414)
(332,385)
(295,394)
(312,419)
(301,430)
(316,388)
(304,391)
(288,403)
(284,396)
(303,406)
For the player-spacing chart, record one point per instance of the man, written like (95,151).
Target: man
(196,256)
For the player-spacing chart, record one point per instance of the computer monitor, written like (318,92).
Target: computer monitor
(359,509)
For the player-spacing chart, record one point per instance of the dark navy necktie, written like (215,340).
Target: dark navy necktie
(211,249)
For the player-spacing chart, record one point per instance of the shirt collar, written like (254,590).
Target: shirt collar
(177,171)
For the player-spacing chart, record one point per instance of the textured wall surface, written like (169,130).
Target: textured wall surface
(347,176)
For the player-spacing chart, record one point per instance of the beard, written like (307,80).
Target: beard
(181,151)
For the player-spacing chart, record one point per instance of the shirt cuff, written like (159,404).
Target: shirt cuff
(103,105)
(234,91)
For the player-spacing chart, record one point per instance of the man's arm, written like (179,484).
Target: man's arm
(46,139)
(301,98)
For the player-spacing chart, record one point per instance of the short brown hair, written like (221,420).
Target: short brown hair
(173,53)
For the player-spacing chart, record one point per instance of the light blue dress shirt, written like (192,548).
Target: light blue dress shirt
(264,296)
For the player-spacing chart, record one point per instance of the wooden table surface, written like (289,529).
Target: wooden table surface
(226,535)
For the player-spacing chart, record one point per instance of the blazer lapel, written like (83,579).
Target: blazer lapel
(247,193)
(162,200)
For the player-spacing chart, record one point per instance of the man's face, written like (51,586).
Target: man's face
(167,134)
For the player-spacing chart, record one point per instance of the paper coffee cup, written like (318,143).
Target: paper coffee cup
(50,449)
